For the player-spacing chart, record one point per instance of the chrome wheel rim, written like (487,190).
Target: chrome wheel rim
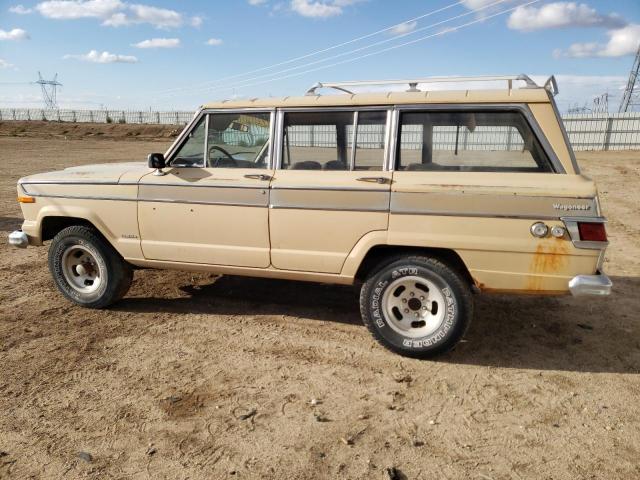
(81,269)
(414,306)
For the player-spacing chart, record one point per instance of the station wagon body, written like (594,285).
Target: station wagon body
(340,189)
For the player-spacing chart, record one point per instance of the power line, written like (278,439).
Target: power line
(349,60)
(366,47)
(318,52)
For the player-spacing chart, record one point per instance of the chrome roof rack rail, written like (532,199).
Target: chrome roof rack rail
(413,83)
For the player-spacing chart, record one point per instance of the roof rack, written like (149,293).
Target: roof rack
(550,84)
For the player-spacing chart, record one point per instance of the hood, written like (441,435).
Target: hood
(103,172)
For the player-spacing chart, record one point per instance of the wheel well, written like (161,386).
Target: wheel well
(51,226)
(380,254)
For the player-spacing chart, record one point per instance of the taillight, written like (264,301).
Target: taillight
(592,232)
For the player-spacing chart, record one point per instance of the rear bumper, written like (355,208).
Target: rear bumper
(18,239)
(598,284)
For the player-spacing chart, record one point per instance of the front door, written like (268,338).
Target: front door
(331,188)
(211,206)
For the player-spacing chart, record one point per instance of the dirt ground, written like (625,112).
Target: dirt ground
(193,376)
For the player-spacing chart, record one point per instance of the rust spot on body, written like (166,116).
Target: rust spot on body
(550,258)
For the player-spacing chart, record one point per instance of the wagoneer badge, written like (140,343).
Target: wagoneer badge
(566,208)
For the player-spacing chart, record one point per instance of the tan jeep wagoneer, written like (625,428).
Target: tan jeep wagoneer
(421,197)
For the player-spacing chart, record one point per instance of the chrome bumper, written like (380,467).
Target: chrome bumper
(18,239)
(590,285)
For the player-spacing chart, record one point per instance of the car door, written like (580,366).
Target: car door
(331,187)
(211,204)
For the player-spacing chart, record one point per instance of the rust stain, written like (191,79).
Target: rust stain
(550,258)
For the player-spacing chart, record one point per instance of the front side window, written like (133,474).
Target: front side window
(238,140)
(469,141)
(325,140)
(227,140)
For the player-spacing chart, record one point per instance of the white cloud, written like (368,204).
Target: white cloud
(257,2)
(103,57)
(320,8)
(622,41)
(196,21)
(15,34)
(561,15)
(5,64)
(158,43)
(20,10)
(115,13)
(403,28)
(74,9)
(214,42)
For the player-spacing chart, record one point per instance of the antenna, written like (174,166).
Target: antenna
(631,97)
(49,90)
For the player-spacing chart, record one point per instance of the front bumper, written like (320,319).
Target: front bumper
(598,284)
(18,239)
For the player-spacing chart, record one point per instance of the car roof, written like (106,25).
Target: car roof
(516,95)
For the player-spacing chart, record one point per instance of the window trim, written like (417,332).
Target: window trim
(184,136)
(388,109)
(522,108)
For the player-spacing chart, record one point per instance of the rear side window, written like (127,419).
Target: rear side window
(469,142)
(325,140)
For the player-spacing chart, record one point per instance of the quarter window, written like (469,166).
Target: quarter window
(324,140)
(469,141)
(191,153)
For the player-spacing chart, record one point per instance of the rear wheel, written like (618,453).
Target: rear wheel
(416,306)
(86,269)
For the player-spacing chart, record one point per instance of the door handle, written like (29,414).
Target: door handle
(380,180)
(258,176)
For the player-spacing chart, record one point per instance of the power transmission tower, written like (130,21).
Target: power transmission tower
(601,104)
(49,90)
(578,110)
(631,97)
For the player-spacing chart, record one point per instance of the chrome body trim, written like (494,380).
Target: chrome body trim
(73,182)
(199,185)
(354,142)
(328,209)
(582,285)
(377,200)
(83,197)
(571,224)
(327,189)
(479,204)
(18,239)
(196,202)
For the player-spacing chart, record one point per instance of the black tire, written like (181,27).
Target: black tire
(114,272)
(400,336)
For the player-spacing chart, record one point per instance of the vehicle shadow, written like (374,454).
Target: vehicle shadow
(9,224)
(583,334)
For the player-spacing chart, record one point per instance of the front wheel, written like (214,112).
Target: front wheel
(416,306)
(87,269)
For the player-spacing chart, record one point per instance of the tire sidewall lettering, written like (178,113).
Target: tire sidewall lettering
(379,318)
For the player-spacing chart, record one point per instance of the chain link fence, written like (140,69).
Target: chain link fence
(619,131)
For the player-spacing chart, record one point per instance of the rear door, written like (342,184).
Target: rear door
(332,186)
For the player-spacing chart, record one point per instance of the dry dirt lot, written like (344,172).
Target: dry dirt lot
(193,376)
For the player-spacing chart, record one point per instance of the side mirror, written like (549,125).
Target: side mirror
(157,162)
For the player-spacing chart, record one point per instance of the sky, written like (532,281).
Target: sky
(178,55)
